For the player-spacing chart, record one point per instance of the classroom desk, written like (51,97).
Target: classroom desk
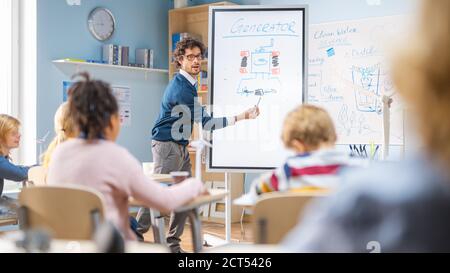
(192,208)
(8,245)
(8,222)
(161,178)
(8,205)
(156,219)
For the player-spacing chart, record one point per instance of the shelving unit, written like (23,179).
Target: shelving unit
(106,71)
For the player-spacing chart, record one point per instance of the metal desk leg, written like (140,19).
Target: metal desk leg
(196,226)
(158,227)
(228,208)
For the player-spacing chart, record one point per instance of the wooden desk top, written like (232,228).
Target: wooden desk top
(162,178)
(214,196)
(248,202)
(8,222)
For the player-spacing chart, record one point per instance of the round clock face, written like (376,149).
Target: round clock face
(101,24)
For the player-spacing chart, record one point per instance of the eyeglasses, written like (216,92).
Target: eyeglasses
(191,57)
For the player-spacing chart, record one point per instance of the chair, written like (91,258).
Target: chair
(71,213)
(275,214)
(37,176)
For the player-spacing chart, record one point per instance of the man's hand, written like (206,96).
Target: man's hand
(251,113)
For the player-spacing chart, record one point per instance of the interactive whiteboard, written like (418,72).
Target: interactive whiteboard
(257,55)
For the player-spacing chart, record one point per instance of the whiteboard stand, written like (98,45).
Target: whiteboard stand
(228,208)
(387,102)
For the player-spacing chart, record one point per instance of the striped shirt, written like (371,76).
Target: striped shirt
(318,169)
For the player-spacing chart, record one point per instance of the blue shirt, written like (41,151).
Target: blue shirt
(396,207)
(11,172)
(179,109)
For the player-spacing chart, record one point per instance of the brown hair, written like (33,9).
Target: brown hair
(92,105)
(188,43)
(421,74)
(7,124)
(309,124)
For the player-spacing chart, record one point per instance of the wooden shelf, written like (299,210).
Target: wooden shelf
(106,71)
(193,20)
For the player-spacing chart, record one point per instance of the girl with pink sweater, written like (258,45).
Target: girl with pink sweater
(95,160)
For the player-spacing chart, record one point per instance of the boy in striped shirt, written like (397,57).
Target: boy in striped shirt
(309,132)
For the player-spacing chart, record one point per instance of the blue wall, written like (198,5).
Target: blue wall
(62,33)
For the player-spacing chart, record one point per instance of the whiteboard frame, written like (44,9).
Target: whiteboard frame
(211,32)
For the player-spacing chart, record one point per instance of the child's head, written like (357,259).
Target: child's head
(9,134)
(94,109)
(308,128)
(64,125)
(421,75)
(64,129)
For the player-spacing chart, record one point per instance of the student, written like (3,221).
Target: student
(404,206)
(309,132)
(10,139)
(95,160)
(64,130)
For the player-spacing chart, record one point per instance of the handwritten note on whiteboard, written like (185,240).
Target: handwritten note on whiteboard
(349,74)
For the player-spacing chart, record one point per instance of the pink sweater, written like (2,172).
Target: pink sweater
(113,171)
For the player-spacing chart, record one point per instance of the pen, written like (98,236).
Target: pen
(258,101)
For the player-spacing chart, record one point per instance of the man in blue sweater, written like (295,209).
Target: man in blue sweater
(180,108)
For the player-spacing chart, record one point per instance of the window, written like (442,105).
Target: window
(9,65)
(6,49)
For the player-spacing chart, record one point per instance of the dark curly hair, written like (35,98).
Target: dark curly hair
(91,104)
(188,43)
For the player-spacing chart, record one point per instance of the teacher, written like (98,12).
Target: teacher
(180,108)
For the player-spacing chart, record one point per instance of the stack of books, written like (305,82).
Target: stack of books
(116,54)
(144,57)
(202,81)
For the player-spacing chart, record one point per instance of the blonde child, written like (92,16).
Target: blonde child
(10,139)
(309,132)
(64,130)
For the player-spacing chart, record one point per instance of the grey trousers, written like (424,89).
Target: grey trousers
(168,157)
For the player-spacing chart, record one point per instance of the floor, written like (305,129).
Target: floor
(212,231)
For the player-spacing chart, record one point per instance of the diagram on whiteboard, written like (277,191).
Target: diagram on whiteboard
(367,94)
(349,75)
(260,70)
(257,58)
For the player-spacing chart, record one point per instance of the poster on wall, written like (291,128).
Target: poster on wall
(123,97)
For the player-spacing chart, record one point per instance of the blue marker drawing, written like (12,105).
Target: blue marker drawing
(260,71)
(366,81)
(331,52)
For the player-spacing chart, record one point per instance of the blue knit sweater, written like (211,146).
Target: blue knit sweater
(11,172)
(179,109)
